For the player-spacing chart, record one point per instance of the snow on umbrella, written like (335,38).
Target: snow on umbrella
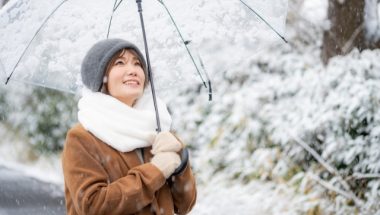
(43,42)
(53,57)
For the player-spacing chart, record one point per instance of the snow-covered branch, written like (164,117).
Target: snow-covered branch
(331,169)
(331,187)
(365,176)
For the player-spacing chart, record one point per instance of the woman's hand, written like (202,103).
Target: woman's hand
(167,162)
(166,142)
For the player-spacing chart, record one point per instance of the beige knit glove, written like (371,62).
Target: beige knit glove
(166,142)
(167,162)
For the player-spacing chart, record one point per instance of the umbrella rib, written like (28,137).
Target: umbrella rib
(185,43)
(269,25)
(113,11)
(34,36)
(115,8)
(209,82)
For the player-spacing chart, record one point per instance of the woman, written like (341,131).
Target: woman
(113,160)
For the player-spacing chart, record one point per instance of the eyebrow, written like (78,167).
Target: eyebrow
(133,58)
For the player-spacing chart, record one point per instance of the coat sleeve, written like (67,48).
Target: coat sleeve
(90,190)
(184,191)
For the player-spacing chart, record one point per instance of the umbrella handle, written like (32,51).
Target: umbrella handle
(184,161)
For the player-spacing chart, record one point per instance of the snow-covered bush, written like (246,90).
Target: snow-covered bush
(252,128)
(41,115)
(271,102)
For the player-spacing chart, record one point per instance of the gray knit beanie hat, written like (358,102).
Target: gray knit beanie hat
(95,62)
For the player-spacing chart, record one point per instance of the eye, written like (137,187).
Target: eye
(119,62)
(137,63)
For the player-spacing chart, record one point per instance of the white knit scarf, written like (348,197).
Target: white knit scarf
(122,127)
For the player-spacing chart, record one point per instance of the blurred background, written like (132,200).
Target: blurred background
(292,129)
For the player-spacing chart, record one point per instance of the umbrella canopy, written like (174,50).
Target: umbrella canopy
(52,57)
(43,42)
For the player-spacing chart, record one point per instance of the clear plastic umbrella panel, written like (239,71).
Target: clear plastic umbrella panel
(44,42)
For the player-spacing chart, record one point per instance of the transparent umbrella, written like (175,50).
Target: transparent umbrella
(43,42)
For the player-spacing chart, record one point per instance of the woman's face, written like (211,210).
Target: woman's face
(126,78)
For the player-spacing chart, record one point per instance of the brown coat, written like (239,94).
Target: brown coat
(102,180)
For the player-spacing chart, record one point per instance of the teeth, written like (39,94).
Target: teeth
(131,82)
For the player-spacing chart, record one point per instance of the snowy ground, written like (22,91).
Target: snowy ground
(255,198)
(20,195)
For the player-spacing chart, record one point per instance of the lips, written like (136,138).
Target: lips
(131,82)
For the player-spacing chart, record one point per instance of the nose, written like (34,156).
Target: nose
(131,70)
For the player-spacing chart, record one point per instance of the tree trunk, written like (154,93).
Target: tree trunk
(347,29)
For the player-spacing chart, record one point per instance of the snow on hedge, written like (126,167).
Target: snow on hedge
(269,101)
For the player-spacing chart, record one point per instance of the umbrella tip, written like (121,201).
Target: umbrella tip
(6,82)
(285,40)
(209,91)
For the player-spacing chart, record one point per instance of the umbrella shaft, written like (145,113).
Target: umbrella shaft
(149,67)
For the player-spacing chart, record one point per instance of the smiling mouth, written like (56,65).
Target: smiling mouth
(131,82)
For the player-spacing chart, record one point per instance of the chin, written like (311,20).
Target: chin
(133,96)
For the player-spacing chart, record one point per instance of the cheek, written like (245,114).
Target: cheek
(143,77)
(113,78)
